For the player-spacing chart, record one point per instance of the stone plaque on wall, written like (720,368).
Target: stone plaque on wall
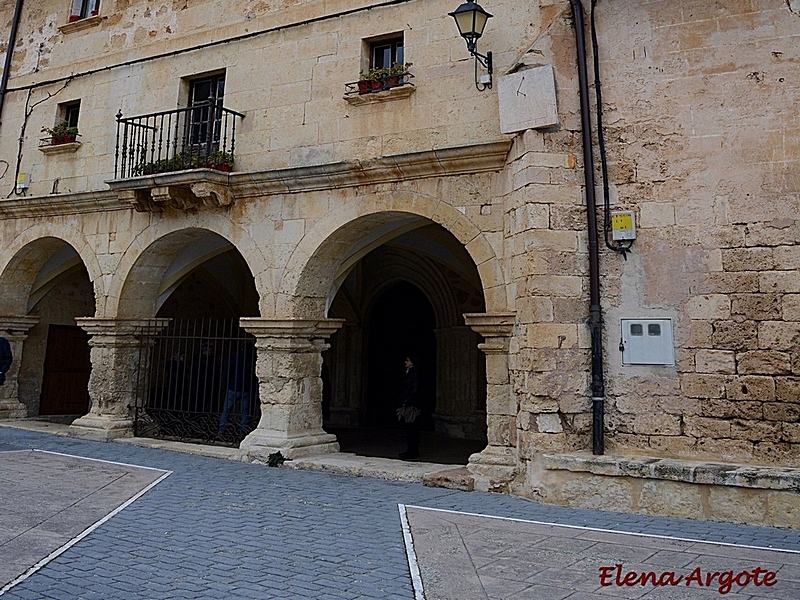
(527,99)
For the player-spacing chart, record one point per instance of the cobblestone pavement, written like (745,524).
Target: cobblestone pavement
(217,528)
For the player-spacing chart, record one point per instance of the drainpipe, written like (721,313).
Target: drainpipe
(12,40)
(595,316)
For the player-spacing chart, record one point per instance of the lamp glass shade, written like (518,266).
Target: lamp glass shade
(471,20)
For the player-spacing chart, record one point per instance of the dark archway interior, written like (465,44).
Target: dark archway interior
(401,323)
(220,287)
(408,295)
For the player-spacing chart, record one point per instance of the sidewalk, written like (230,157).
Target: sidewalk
(218,528)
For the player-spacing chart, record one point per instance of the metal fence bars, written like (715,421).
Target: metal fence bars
(200,136)
(197,382)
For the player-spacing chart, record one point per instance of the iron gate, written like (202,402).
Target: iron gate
(196,382)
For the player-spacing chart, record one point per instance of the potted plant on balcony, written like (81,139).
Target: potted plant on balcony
(370,81)
(395,74)
(221,161)
(62,133)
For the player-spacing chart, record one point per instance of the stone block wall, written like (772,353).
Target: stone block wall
(704,146)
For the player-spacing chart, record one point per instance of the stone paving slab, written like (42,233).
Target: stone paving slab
(47,500)
(478,557)
(221,528)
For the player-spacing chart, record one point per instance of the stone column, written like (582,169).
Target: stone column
(15,330)
(116,345)
(457,371)
(288,366)
(496,466)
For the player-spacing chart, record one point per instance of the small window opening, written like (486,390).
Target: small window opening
(637,329)
(385,53)
(69,112)
(84,8)
(654,329)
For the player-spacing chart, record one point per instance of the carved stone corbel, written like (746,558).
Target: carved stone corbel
(173,196)
(139,199)
(212,194)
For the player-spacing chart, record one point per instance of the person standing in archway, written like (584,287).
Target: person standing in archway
(6,358)
(409,410)
(240,381)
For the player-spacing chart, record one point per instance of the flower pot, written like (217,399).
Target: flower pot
(222,167)
(63,139)
(392,81)
(73,18)
(364,86)
(94,13)
(376,85)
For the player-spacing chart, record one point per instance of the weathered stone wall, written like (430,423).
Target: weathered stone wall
(703,144)
(289,82)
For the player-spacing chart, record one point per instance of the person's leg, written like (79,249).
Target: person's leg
(412,440)
(230,398)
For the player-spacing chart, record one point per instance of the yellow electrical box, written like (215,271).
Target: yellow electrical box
(23,181)
(623,226)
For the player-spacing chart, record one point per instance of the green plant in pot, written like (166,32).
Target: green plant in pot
(62,133)
(394,75)
(221,161)
(370,81)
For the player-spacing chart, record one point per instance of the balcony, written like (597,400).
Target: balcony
(379,85)
(177,158)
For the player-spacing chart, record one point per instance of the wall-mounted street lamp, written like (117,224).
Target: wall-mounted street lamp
(471,20)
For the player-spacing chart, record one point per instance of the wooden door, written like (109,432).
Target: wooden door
(66,372)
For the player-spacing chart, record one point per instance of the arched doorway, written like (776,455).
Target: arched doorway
(196,368)
(47,283)
(408,295)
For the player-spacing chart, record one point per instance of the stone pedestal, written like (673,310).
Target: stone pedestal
(15,330)
(116,345)
(288,366)
(496,466)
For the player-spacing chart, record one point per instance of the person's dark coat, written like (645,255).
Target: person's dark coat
(6,358)
(240,374)
(409,388)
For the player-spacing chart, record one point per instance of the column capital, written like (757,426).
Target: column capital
(113,332)
(290,332)
(496,329)
(17,325)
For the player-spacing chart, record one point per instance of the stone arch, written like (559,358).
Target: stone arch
(313,269)
(28,253)
(429,281)
(135,290)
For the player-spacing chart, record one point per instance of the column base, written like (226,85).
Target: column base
(260,444)
(12,409)
(494,468)
(100,428)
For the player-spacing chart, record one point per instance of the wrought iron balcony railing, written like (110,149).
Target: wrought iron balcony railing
(201,136)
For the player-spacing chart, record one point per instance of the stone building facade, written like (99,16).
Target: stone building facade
(337,197)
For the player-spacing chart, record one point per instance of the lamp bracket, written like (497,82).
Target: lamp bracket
(486,62)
